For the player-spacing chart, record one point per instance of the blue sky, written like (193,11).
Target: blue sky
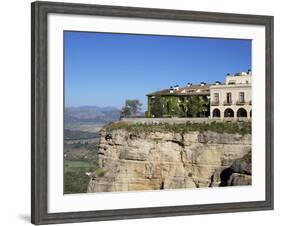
(105,69)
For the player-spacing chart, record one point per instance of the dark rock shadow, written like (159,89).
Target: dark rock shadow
(224,176)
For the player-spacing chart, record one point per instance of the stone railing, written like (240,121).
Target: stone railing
(239,102)
(178,120)
(215,103)
(227,103)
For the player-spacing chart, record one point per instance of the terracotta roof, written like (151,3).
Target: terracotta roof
(197,89)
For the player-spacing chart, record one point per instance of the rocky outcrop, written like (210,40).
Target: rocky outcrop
(167,160)
(239,173)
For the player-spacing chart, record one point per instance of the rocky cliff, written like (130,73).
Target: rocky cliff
(130,161)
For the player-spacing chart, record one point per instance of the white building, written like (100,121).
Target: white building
(232,99)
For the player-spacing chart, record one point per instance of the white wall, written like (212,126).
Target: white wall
(15,110)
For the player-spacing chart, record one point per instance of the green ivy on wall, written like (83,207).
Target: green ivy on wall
(178,106)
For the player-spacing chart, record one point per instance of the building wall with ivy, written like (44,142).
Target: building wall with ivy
(178,106)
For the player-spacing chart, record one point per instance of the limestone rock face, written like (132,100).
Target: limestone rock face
(158,160)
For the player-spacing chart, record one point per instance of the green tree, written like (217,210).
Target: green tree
(157,107)
(126,111)
(132,107)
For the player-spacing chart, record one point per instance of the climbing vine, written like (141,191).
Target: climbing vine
(178,106)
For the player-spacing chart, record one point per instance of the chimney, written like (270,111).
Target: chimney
(249,72)
(203,83)
(176,87)
(189,84)
(218,83)
(171,89)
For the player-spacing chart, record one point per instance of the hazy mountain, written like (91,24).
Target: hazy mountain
(92,114)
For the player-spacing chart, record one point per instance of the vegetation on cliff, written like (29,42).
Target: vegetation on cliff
(219,127)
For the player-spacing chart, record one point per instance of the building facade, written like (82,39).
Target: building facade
(233,98)
(188,101)
(230,99)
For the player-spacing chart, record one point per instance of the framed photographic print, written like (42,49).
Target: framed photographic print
(140,112)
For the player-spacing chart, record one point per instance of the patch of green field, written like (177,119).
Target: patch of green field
(79,135)
(75,180)
(70,165)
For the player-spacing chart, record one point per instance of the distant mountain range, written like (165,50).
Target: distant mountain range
(91,114)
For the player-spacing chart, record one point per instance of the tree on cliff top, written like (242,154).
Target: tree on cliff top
(131,108)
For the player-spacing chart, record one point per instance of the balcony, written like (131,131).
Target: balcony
(215,103)
(240,103)
(227,103)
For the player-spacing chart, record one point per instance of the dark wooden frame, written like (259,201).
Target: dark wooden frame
(39,12)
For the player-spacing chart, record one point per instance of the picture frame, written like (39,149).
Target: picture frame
(40,104)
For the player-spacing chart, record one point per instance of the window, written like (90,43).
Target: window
(216,97)
(231,82)
(228,98)
(241,97)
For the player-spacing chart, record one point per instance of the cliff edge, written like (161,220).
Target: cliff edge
(138,158)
